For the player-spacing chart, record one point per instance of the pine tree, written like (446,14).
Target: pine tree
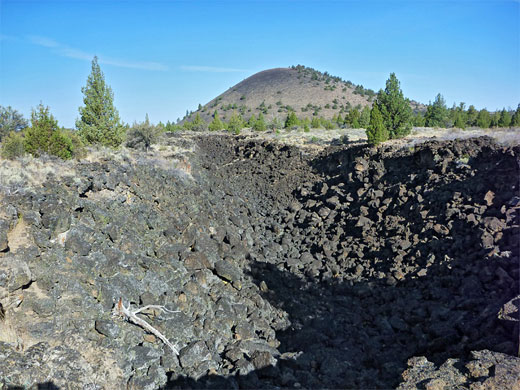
(364,118)
(505,118)
(437,113)
(471,116)
(198,124)
(44,135)
(99,122)
(483,119)
(216,124)
(515,120)
(394,109)
(418,120)
(459,123)
(251,121)
(292,120)
(353,118)
(376,130)
(495,117)
(10,120)
(315,122)
(235,123)
(260,124)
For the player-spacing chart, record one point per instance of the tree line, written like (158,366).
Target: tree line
(390,117)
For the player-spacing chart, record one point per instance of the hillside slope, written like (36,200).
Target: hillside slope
(274,92)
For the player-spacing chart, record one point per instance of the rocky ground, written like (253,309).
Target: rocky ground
(279,267)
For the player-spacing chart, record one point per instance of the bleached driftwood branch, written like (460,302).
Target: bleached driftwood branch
(131,316)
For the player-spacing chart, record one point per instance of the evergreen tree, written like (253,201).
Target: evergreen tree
(459,121)
(418,120)
(198,124)
(353,118)
(235,123)
(376,130)
(437,113)
(251,121)
(315,122)
(44,135)
(394,109)
(10,120)
(471,116)
(505,118)
(260,124)
(483,119)
(292,120)
(340,121)
(216,124)
(515,120)
(495,117)
(99,122)
(364,117)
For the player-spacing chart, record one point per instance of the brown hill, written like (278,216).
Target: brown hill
(275,92)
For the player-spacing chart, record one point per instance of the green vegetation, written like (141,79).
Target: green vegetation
(197,124)
(235,124)
(394,109)
(99,122)
(216,124)
(483,119)
(515,119)
(142,135)
(291,121)
(45,137)
(376,130)
(437,113)
(260,124)
(10,120)
(12,146)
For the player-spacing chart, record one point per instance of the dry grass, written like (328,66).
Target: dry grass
(28,171)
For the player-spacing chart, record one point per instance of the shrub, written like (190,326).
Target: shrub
(12,146)
(142,135)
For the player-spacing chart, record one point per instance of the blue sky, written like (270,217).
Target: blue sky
(166,57)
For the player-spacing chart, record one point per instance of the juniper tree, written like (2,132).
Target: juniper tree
(437,113)
(483,119)
(235,123)
(394,109)
(515,120)
(291,121)
(99,122)
(505,119)
(10,120)
(376,130)
(44,135)
(471,116)
(259,124)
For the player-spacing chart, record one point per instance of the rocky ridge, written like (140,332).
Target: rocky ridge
(278,267)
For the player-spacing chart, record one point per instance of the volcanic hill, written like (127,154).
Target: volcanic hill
(275,92)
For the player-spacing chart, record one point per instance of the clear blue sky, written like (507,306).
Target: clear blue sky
(164,57)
